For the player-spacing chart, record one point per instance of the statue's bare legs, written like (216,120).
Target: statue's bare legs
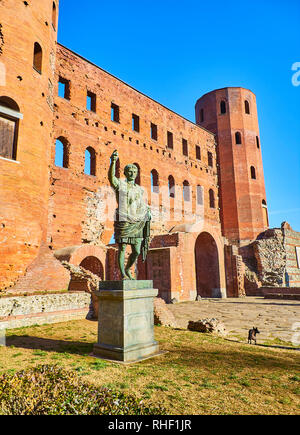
(136,251)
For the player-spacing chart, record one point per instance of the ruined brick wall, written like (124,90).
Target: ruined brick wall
(45,273)
(270,255)
(292,246)
(172,265)
(235,272)
(243,213)
(24,181)
(271,260)
(76,207)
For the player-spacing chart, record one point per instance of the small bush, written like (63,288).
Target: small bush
(50,390)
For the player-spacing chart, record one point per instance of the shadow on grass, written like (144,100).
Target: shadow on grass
(272,346)
(250,358)
(37,343)
(186,357)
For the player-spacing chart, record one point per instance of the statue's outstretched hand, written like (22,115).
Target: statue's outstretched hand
(115,156)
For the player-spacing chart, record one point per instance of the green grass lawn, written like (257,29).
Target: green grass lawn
(200,373)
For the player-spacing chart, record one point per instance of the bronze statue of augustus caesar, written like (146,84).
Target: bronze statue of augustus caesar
(132,223)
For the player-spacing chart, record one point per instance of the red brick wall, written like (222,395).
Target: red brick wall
(45,273)
(171,265)
(72,192)
(24,184)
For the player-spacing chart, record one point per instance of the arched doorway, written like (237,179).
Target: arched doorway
(207,266)
(94,265)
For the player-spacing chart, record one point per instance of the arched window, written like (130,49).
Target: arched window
(199,195)
(138,178)
(257,142)
(171,183)
(186,191)
(90,161)
(247,107)
(212,202)
(37,57)
(253,173)
(154,181)
(9,127)
(223,107)
(62,150)
(54,16)
(238,138)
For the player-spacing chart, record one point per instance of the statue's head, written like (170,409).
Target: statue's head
(131,172)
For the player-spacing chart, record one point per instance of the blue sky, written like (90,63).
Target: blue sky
(176,51)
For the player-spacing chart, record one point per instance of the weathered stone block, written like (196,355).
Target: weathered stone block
(126,321)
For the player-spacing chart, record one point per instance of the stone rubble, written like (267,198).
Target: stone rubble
(213,326)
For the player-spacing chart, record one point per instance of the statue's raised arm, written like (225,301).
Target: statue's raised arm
(112,170)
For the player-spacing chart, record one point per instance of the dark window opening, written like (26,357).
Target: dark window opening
(9,128)
(238,138)
(171,182)
(135,123)
(64,88)
(90,161)
(185,148)
(210,159)
(223,107)
(212,203)
(91,101)
(37,57)
(257,142)
(154,134)
(54,16)
(154,181)
(202,115)
(170,140)
(115,113)
(253,173)
(247,107)
(198,152)
(186,191)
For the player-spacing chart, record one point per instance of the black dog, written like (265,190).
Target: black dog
(252,335)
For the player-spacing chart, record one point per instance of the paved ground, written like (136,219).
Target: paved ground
(273,318)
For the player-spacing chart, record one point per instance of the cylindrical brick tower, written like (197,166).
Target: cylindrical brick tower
(231,114)
(28,34)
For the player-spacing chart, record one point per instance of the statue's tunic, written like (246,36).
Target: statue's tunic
(132,214)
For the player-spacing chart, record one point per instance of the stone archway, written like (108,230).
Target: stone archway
(94,265)
(207,266)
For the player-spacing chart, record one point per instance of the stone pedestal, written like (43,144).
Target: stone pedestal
(126,321)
